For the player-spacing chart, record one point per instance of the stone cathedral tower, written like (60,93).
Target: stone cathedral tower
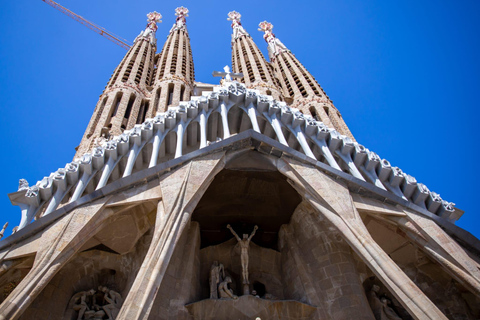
(244,200)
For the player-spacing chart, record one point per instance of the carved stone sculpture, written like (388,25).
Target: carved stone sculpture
(81,307)
(387,311)
(22,184)
(380,307)
(217,274)
(90,305)
(114,300)
(244,246)
(224,291)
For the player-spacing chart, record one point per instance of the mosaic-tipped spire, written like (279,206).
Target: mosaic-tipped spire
(152,19)
(299,87)
(180,22)
(238,30)
(124,103)
(248,60)
(275,46)
(175,75)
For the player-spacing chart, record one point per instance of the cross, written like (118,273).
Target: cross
(227,74)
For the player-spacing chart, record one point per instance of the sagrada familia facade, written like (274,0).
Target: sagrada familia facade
(249,199)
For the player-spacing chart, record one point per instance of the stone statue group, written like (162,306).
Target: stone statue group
(219,283)
(97,304)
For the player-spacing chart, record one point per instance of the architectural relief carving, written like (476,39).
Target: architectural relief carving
(97,304)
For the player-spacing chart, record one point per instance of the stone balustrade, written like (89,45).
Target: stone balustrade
(203,120)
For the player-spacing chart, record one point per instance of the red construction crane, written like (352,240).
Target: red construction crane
(101,31)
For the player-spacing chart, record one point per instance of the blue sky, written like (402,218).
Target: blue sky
(404,74)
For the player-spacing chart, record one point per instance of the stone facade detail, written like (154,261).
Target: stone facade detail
(248,201)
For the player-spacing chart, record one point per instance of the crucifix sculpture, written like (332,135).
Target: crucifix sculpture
(244,246)
(227,76)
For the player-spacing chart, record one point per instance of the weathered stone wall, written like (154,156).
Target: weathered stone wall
(316,262)
(181,283)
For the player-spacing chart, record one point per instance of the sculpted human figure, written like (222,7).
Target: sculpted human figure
(388,312)
(82,306)
(224,291)
(244,246)
(114,302)
(215,271)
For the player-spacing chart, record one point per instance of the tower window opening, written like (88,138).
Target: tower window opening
(116,103)
(182,93)
(129,106)
(142,112)
(170,94)
(326,110)
(314,114)
(157,98)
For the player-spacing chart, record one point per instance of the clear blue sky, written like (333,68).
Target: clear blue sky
(404,74)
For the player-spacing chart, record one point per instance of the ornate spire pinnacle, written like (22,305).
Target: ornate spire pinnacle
(275,46)
(238,30)
(152,18)
(181,22)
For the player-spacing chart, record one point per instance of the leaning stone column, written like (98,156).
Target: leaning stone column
(62,241)
(181,191)
(332,200)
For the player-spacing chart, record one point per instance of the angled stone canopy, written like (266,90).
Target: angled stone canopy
(250,156)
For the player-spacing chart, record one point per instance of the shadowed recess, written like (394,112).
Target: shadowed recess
(244,199)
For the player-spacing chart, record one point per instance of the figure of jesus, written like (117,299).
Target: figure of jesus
(244,246)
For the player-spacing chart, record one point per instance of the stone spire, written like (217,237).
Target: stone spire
(299,87)
(124,102)
(175,75)
(249,60)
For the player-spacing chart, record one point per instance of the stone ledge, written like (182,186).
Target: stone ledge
(249,307)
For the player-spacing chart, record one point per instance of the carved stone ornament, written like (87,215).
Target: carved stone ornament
(237,89)
(96,304)
(22,184)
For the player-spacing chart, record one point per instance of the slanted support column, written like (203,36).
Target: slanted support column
(203,129)
(332,200)
(252,114)
(277,127)
(181,191)
(224,114)
(67,236)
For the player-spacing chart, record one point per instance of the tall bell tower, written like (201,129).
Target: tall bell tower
(125,100)
(249,60)
(298,86)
